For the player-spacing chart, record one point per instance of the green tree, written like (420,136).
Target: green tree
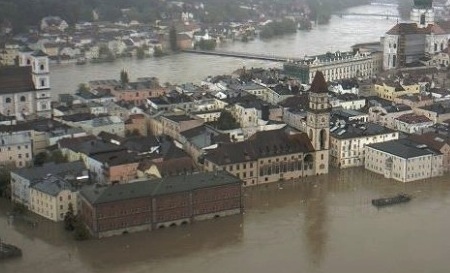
(40,159)
(82,87)
(206,44)
(173,39)
(124,77)
(226,121)
(140,53)
(5,180)
(69,219)
(81,232)
(158,52)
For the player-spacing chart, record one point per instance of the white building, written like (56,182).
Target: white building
(403,160)
(25,90)
(412,123)
(347,143)
(334,66)
(407,43)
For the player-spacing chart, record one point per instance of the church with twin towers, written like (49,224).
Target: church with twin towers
(407,43)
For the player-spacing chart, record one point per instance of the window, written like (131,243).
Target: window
(42,66)
(42,83)
(22,98)
(8,100)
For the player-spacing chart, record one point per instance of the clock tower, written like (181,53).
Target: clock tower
(318,122)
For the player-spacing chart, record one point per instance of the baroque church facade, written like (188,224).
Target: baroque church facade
(408,42)
(25,89)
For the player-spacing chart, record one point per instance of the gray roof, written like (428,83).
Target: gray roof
(360,130)
(62,169)
(96,194)
(53,185)
(403,148)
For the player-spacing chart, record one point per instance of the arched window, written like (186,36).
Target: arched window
(422,19)
(23,98)
(42,66)
(8,100)
(323,139)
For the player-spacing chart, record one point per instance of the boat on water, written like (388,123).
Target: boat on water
(393,200)
(81,61)
(9,251)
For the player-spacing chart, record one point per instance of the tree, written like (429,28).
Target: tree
(157,52)
(206,44)
(45,157)
(40,159)
(140,53)
(82,87)
(69,219)
(5,178)
(124,77)
(226,121)
(173,39)
(81,232)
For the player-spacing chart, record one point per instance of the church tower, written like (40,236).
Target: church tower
(422,13)
(318,122)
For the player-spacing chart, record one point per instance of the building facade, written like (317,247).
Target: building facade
(25,90)
(149,205)
(334,66)
(52,196)
(403,160)
(406,43)
(16,149)
(347,144)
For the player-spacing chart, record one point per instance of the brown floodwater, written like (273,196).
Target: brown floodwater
(316,224)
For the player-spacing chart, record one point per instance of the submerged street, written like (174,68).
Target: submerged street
(317,224)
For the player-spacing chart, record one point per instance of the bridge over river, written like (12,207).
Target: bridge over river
(263,57)
(384,15)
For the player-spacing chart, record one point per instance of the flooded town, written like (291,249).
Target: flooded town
(296,136)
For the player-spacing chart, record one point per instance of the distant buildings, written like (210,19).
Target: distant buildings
(149,205)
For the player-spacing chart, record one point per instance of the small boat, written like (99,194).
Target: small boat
(400,198)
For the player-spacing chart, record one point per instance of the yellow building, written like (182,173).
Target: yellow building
(50,197)
(390,90)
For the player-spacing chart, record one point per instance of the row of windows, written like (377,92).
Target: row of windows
(22,99)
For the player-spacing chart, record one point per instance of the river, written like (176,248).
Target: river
(317,224)
(340,34)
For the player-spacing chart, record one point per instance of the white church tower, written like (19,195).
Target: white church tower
(422,13)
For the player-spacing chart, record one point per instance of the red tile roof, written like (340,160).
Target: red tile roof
(411,28)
